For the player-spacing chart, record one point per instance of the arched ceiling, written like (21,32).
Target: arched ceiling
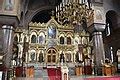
(35,10)
(34,4)
(42,17)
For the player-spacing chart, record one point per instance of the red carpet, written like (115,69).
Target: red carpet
(104,78)
(54,73)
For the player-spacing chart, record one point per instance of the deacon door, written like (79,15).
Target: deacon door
(51,56)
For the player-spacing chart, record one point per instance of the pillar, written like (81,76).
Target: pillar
(99,51)
(98,47)
(96,30)
(7,43)
(7,48)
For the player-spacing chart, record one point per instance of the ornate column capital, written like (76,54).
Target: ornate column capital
(96,27)
(9,20)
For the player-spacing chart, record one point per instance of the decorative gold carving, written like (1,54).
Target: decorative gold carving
(66,30)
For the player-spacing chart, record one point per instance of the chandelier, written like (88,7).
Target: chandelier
(74,12)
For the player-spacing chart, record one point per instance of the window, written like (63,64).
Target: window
(68,40)
(111,52)
(61,40)
(107,29)
(33,39)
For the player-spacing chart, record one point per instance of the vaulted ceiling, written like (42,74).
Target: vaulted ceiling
(37,10)
(34,4)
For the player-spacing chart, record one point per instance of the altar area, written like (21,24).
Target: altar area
(52,45)
(63,46)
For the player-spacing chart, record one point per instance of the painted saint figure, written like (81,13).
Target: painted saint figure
(62,58)
(41,57)
(32,56)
